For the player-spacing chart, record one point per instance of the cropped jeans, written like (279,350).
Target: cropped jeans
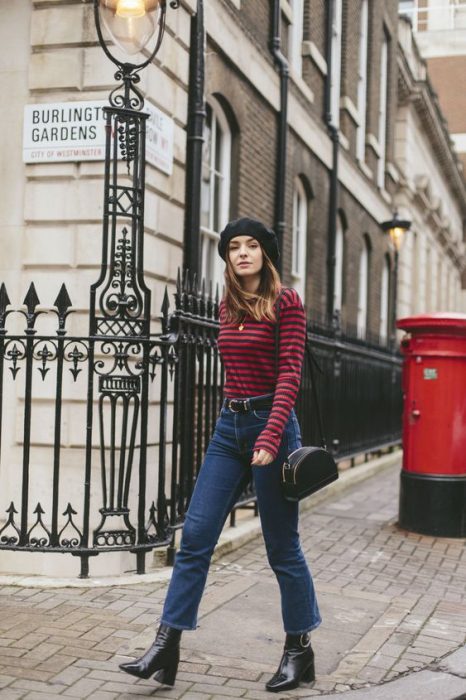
(224,473)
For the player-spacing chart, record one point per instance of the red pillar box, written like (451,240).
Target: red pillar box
(433,477)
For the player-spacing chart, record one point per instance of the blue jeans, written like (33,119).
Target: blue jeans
(224,473)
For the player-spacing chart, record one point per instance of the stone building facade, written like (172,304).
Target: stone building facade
(431,189)
(440,30)
(346,168)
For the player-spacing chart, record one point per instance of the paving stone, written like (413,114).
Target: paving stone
(83,688)
(85,653)
(26,684)
(34,695)
(57,663)
(232,672)
(140,689)
(5,680)
(68,676)
(202,678)
(33,674)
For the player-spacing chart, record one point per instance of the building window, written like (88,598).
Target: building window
(415,270)
(428,304)
(385,302)
(295,36)
(433,267)
(383,111)
(215,189)
(418,13)
(335,73)
(362,81)
(339,256)
(299,238)
(440,284)
(363,296)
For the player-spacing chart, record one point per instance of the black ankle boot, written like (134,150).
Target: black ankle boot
(161,658)
(296,665)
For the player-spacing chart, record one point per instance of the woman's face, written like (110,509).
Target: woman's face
(245,254)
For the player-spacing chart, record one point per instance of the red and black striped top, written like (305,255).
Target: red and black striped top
(249,361)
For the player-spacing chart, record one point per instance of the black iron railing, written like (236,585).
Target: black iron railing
(145,407)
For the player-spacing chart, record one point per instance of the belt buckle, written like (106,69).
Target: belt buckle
(238,401)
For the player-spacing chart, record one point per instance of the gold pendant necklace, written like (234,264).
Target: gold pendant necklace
(241,325)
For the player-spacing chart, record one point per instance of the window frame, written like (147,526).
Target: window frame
(385,306)
(339,265)
(299,257)
(335,69)
(296,36)
(363,298)
(362,81)
(383,110)
(208,235)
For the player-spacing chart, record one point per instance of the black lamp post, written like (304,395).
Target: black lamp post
(119,322)
(395,228)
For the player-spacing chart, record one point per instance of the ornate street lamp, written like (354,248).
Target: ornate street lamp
(119,324)
(395,228)
(131,25)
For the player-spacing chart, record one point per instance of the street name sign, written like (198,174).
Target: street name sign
(75,131)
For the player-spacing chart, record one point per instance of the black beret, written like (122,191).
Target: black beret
(253,228)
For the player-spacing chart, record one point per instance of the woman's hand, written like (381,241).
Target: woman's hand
(261,458)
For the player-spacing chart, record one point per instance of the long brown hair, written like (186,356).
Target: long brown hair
(259,305)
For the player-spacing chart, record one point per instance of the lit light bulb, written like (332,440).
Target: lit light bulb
(130,8)
(397,235)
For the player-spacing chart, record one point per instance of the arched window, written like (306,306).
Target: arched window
(385,302)
(215,188)
(339,257)
(299,237)
(363,296)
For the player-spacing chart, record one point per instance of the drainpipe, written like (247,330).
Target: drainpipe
(282,64)
(195,139)
(333,193)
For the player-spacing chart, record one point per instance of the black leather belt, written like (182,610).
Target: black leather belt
(247,405)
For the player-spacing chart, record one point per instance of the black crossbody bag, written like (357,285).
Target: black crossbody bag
(307,469)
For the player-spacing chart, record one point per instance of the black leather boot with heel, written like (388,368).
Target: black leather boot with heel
(296,665)
(161,659)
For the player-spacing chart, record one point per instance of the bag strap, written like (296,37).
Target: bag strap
(312,361)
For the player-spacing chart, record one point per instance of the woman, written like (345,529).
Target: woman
(256,430)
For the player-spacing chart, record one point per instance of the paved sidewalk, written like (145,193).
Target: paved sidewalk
(393,606)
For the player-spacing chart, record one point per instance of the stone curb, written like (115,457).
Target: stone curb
(444,679)
(231,538)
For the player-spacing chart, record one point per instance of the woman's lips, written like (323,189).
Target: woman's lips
(243,264)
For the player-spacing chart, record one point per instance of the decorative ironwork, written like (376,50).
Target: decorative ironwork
(183,366)
(142,412)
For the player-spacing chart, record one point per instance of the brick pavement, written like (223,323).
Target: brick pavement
(392,602)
